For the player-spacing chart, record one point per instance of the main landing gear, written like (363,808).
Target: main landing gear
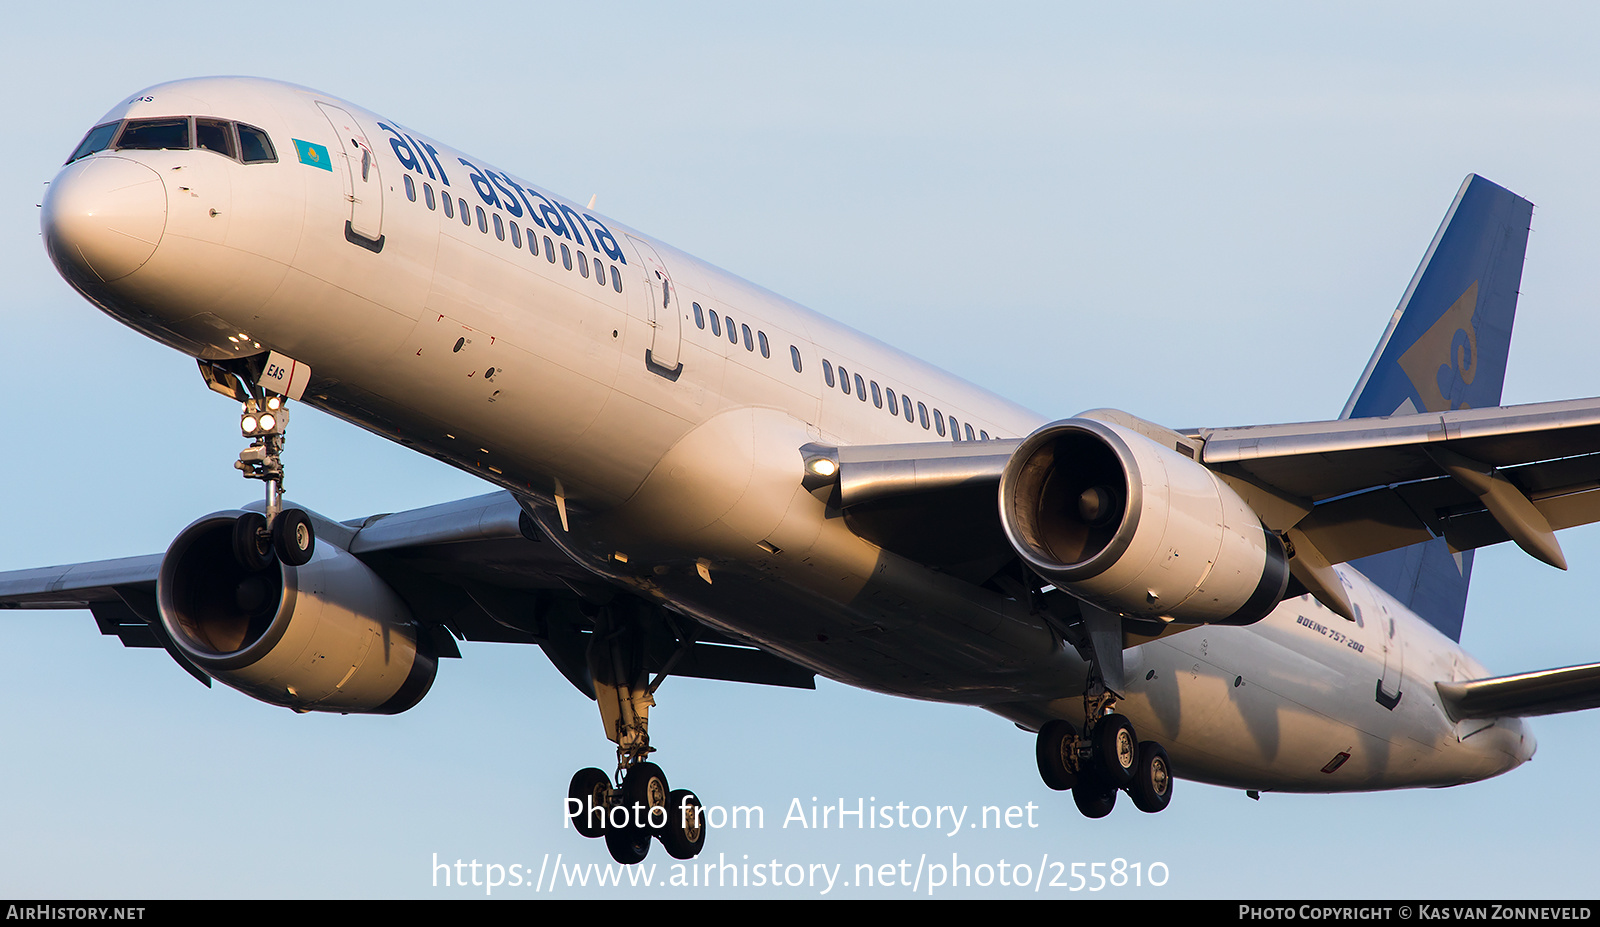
(1105,759)
(642,805)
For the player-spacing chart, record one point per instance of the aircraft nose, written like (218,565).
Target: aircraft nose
(104,215)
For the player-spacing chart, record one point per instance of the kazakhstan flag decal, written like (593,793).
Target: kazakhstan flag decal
(313,154)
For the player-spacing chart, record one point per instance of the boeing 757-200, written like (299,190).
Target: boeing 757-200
(693,476)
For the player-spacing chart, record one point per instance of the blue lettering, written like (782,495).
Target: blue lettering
(481,183)
(510,201)
(408,159)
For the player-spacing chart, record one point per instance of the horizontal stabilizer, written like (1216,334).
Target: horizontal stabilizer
(1545,692)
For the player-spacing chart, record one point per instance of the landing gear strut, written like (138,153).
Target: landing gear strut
(282,533)
(642,805)
(1106,756)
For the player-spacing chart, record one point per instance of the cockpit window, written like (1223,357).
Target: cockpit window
(98,139)
(155,134)
(254,145)
(231,140)
(214,135)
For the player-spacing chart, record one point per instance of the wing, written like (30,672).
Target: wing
(1349,487)
(476,569)
(1546,692)
(1474,477)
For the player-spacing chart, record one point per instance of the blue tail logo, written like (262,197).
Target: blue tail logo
(1455,339)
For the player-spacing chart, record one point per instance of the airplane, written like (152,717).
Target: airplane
(696,477)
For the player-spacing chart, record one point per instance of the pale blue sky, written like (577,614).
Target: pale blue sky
(1203,214)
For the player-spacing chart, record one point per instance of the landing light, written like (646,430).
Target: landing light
(822,466)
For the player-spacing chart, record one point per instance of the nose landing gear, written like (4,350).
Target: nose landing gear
(286,534)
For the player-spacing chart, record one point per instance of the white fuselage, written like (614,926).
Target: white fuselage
(684,483)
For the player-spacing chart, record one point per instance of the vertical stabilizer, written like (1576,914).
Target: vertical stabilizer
(1446,348)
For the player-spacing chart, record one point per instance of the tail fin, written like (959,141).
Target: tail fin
(1446,348)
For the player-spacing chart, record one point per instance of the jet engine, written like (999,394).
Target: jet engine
(326,636)
(1137,527)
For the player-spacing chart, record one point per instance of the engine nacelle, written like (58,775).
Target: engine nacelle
(1138,528)
(326,636)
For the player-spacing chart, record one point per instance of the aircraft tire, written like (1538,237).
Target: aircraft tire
(628,845)
(1094,796)
(293,537)
(1117,750)
(590,788)
(1054,751)
(646,785)
(685,834)
(250,549)
(1152,782)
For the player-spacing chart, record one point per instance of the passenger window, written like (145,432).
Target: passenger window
(516,236)
(733,334)
(699,316)
(566,256)
(894,408)
(499,228)
(449,207)
(844,381)
(549,250)
(749,343)
(411,188)
(427,194)
(983,435)
(599,272)
(217,135)
(155,134)
(483,223)
(616,279)
(955,430)
(877,397)
(98,138)
(794,355)
(969,432)
(827,372)
(583,265)
(938,422)
(905,405)
(466,214)
(716,326)
(254,146)
(861,389)
(922,413)
(765,350)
